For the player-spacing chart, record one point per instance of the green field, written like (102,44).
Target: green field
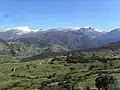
(41,75)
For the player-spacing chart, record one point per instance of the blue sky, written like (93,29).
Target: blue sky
(101,14)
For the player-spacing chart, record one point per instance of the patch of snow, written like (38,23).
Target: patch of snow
(93,36)
(19,34)
(35,30)
(22,28)
(10,38)
(98,30)
(93,28)
(76,28)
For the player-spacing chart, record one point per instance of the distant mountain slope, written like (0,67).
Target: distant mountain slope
(111,46)
(65,38)
(56,48)
(43,56)
(71,38)
(109,50)
(109,37)
(16,49)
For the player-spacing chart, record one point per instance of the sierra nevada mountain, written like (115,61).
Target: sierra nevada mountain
(70,38)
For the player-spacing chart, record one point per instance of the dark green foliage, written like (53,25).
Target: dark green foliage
(55,59)
(77,58)
(58,59)
(87,88)
(13,69)
(19,50)
(69,85)
(13,52)
(72,69)
(67,76)
(61,83)
(51,76)
(82,57)
(43,84)
(12,85)
(91,67)
(104,81)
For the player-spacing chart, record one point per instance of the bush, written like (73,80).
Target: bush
(105,81)
(91,67)
(77,58)
(67,76)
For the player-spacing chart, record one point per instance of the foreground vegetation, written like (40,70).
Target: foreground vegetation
(74,71)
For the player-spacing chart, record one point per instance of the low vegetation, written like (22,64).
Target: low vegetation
(91,70)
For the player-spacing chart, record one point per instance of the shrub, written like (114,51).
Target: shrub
(91,67)
(105,81)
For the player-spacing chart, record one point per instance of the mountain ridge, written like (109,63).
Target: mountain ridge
(60,39)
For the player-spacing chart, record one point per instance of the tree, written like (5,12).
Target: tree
(78,57)
(13,52)
(105,82)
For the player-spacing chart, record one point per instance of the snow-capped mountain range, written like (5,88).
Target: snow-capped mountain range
(19,31)
(27,29)
(73,38)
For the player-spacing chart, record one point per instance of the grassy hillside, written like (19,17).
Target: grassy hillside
(16,49)
(61,71)
(44,75)
(56,48)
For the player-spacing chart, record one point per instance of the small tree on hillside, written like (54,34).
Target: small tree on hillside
(106,82)
(13,52)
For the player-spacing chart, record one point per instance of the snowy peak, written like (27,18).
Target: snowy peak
(25,30)
(87,28)
(76,28)
(22,28)
(91,28)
